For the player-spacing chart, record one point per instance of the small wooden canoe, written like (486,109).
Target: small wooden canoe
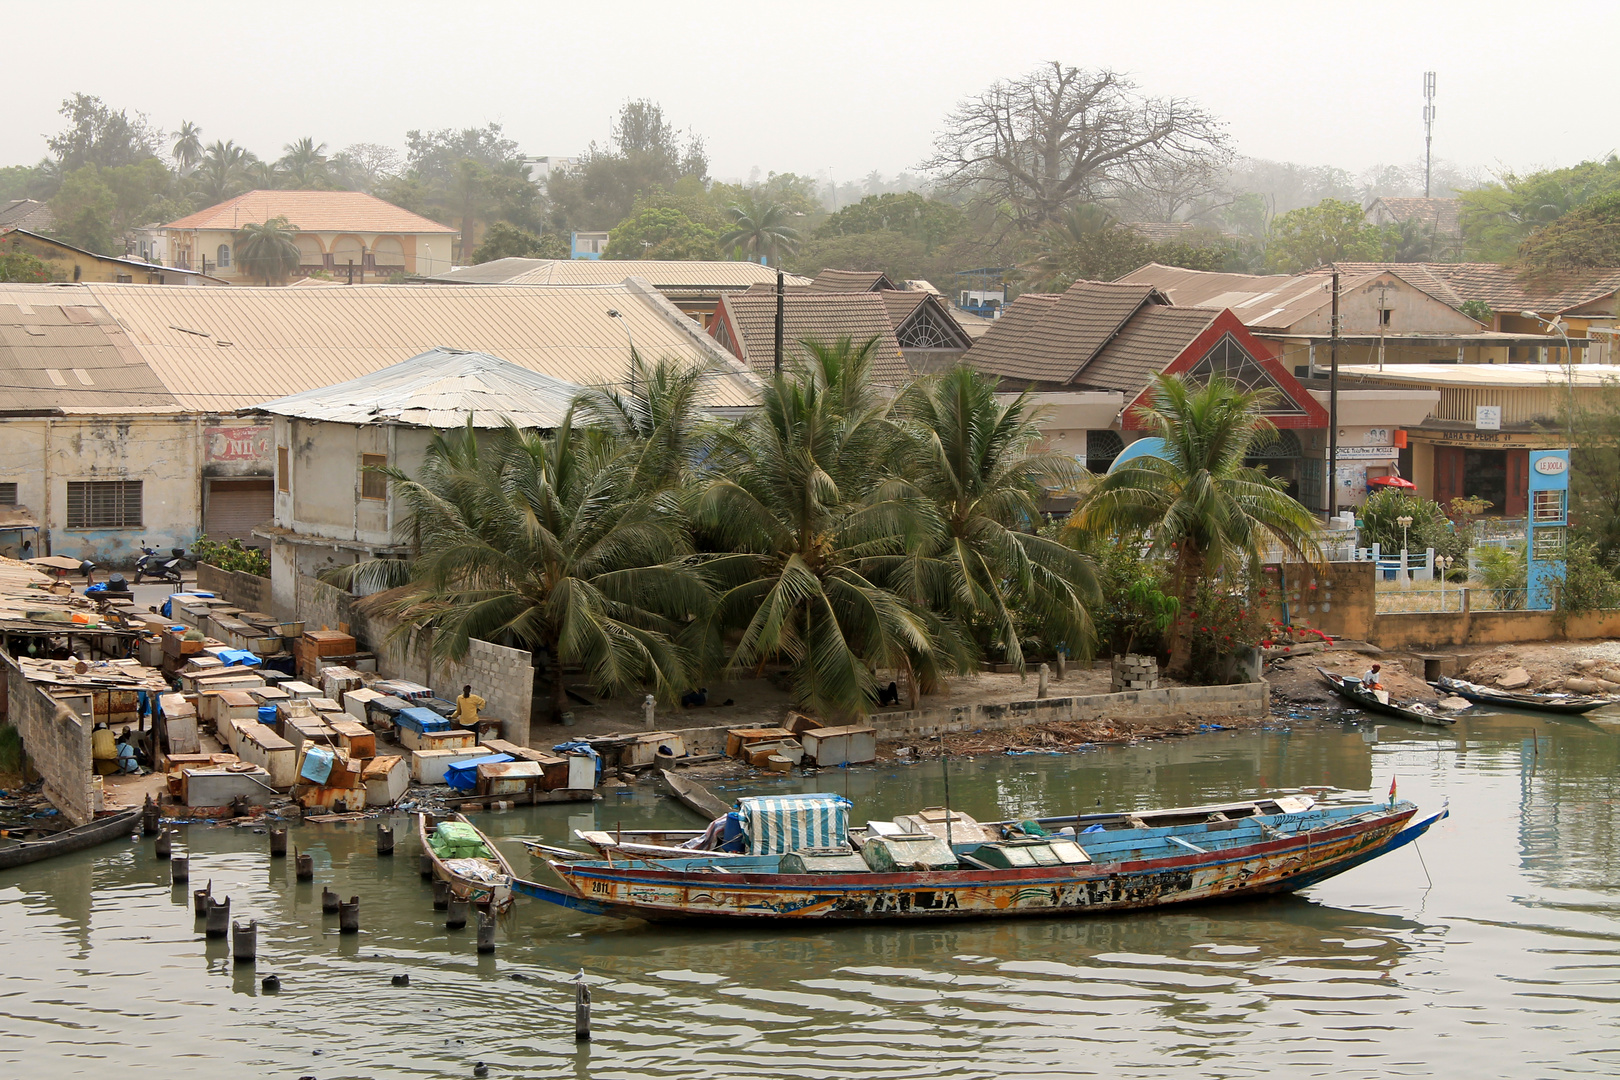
(695,797)
(1370,702)
(486,882)
(1566,704)
(78,838)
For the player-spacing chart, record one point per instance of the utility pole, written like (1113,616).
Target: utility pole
(777,368)
(1333,407)
(1428,130)
(1383,310)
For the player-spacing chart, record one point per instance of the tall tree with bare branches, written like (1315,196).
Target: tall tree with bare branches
(1063,135)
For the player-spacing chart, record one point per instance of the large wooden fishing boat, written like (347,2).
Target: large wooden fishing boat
(1565,704)
(1123,863)
(480,875)
(1368,701)
(78,838)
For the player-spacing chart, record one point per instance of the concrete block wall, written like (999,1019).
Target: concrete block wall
(501,676)
(56,740)
(1251,699)
(246,591)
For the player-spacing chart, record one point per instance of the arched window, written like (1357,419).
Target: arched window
(224,258)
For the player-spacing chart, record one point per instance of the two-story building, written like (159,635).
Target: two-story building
(347,234)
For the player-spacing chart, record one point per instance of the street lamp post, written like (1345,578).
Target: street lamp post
(1403,521)
(1555,323)
(613,313)
(1443,563)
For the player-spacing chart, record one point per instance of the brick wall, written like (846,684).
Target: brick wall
(501,676)
(57,742)
(242,590)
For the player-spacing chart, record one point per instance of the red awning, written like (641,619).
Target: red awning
(1392,481)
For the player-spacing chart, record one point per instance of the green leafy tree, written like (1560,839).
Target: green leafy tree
(807,536)
(223,173)
(1430,527)
(543,542)
(82,212)
(644,153)
(97,135)
(760,230)
(975,458)
(1331,231)
(503,240)
(268,250)
(1497,217)
(930,221)
(364,166)
(1584,238)
(1202,508)
(1087,244)
(900,256)
(661,233)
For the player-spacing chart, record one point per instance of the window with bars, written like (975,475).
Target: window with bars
(283,469)
(1550,542)
(104,504)
(373,485)
(1548,505)
(8,494)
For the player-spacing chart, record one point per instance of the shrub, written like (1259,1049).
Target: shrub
(1430,527)
(231,555)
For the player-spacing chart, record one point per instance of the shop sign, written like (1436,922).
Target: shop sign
(1551,466)
(1488,417)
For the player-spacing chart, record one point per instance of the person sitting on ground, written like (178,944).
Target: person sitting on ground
(104,750)
(888,695)
(467,706)
(1369,681)
(695,699)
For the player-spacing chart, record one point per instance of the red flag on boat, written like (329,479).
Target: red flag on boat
(1392,790)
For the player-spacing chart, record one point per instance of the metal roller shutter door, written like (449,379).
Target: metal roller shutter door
(235,506)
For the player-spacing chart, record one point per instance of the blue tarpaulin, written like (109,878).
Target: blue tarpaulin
(267,715)
(776,824)
(419,720)
(464,775)
(239,656)
(317,765)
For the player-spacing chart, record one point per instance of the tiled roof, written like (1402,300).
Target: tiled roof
(1500,287)
(1149,341)
(441,388)
(1055,345)
(1262,301)
(29,214)
(851,281)
(312,211)
(823,317)
(659,273)
(1444,216)
(230,348)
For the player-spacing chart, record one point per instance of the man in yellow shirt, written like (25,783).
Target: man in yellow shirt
(467,706)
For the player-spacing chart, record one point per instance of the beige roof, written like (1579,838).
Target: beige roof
(1050,342)
(1444,216)
(1501,288)
(1262,301)
(660,273)
(746,323)
(1506,375)
(26,214)
(312,211)
(218,350)
(851,281)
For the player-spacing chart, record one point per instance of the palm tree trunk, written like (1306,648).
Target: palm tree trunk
(1189,568)
(559,689)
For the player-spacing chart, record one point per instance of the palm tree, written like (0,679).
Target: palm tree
(805,531)
(658,417)
(1203,508)
(188,146)
(542,541)
(304,165)
(973,456)
(223,172)
(268,250)
(1053,268)
(760,229)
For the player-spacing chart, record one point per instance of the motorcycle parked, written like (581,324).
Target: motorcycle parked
(162,568)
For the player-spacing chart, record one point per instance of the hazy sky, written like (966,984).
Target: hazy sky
(825,86)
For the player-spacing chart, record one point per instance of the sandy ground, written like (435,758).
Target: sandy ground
(1548,664)
(1294,680)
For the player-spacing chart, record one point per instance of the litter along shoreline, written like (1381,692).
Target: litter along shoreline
(1069,736)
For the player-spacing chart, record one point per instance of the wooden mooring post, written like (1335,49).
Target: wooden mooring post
(304,867)
(385,840)
(582,1008)
(329,902)
(456,917)
(278,843)
(486,932)
(163,846)
(349,916)
(179,869)
(219,918)
(199,899)
(244,941)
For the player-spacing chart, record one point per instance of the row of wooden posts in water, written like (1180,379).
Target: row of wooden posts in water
(217,923)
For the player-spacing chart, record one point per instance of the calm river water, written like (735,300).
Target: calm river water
(1506,965)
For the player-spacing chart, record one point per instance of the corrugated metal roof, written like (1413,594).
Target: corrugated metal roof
(56,352)
(1502,288)
(1533,375)
(823,317)
(1262,301)
(218,350)
(660,273)
(312,211)
(441,388)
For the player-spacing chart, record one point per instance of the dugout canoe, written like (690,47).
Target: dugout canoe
(78,838)
(483,882)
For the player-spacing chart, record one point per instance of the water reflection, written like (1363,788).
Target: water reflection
(1503,966)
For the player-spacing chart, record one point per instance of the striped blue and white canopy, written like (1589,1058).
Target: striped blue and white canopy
(776,824)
